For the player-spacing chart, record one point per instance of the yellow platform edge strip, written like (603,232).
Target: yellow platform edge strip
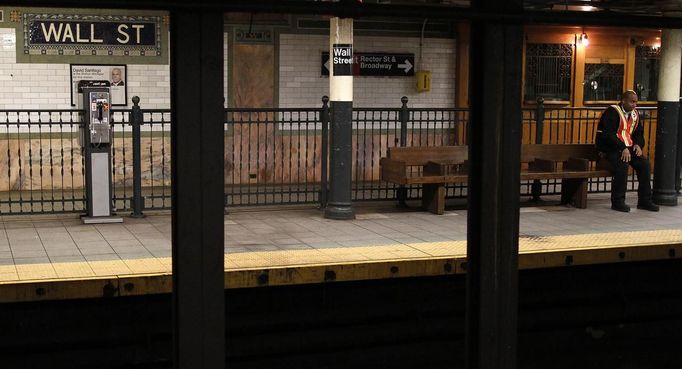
(160,283)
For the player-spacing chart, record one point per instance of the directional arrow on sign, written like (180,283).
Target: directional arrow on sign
(326,65)
(407,65)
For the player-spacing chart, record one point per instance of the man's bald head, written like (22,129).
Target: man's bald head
(629,100)
(629,93)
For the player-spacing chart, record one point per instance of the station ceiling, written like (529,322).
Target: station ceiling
(634,7)
(632,13)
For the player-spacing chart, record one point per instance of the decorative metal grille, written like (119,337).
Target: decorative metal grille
(647,61)
(548,71)
(603,82)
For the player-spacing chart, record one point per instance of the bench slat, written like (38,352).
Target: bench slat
(564,174)
(415,155)
(558,152)
(457,178)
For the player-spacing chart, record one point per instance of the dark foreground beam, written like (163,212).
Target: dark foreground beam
(494,179)
(352,9)
(197,180)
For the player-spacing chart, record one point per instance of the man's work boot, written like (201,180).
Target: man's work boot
(648,206)
(620,206)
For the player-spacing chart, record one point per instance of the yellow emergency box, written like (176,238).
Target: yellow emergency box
(423,80)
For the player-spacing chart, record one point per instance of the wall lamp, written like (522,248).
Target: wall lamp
(583,40)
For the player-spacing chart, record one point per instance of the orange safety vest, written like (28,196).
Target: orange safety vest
(626,126)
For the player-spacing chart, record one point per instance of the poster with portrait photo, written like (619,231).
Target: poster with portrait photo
(114,73)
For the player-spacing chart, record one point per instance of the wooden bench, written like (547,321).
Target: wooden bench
(574,164)
(434,167)
(430,166)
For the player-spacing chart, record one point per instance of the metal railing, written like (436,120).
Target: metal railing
(154,158)
(376,130)
(272,156)
(277,156)
(41,166)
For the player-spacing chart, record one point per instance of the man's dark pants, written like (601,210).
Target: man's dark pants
(620,176)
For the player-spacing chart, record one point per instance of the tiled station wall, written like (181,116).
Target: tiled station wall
(46,86)
(301,83)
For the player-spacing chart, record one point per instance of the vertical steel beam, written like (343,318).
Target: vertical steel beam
(494,180)
(197,189)
(664,191)
(341,95)
(678,165)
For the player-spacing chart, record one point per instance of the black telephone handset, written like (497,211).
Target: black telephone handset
(100,110)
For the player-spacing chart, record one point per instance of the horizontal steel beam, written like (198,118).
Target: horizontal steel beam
(356,10)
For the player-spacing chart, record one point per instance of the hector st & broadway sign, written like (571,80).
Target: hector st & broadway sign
(375,64)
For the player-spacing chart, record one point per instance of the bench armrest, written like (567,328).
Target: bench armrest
(464,167)
(542,165)
(577,164)
(433,168)
(604,164)
(393,170)
(445,167)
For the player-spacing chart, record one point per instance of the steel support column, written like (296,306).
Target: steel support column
(678,165)
(341,95)
(664,192)
(197,189)
(494,180)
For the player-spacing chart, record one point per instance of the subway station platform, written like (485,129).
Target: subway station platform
(53,257)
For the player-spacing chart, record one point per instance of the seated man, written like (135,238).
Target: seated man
(620,139)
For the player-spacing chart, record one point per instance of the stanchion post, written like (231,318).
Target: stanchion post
(135,120)
(536,188)
(324,154)
(404,113)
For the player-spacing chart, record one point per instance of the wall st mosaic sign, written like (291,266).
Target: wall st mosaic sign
(58,32)
(91,36)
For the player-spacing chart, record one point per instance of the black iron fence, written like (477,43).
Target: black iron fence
(41,168)
(272,156)
(42,165)
(154,158)
(376,130)
(279,156)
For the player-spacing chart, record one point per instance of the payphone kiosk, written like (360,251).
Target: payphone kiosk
(95,137)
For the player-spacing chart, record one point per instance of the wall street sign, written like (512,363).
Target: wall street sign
(377,64)
(98,36)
